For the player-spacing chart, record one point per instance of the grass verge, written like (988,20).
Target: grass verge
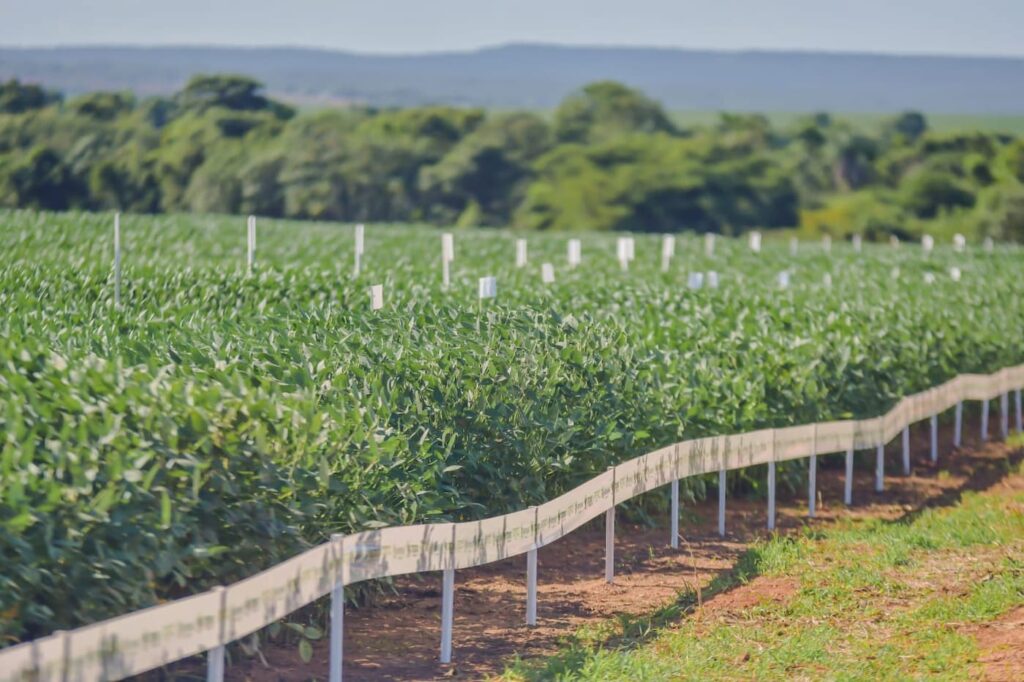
(867,599)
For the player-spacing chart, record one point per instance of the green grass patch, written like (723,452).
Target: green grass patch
(875,600)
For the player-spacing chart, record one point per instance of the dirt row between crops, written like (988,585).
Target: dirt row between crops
(397,638)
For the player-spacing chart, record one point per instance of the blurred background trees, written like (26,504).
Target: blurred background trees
(608,158)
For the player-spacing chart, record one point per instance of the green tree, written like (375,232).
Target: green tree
(17,97)
(606,109)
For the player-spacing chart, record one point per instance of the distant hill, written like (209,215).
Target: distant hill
(539,76)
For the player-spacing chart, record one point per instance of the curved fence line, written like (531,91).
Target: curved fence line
(153,637)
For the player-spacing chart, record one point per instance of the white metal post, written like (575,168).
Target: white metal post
(721,502)
(531,572)
(674,522)
(880,469)
(1004,415)
(984,420)
(812,485)
(531,587)
(958,425)
(215,656)
(771,495)
(447,613)
(934,422)
(337,615)
(1020,426)
(609,545)
(848,483)
(906,450)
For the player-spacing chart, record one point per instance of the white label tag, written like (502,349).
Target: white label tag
(826,243)
(928,242)
(784,279)
(709,244)
(547,273)
(360,230)
(625,249)
(794,246)
(955,273)
(575,252)
(713,279)
(695,280)
(856,243)
(488,287)
(376,297)
(989,245)
(668,246)
(447,247)
(755,242)
(520,253)
(959,242)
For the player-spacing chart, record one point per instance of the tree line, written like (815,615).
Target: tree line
(608,158)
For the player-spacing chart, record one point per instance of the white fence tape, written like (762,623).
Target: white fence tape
(147,639)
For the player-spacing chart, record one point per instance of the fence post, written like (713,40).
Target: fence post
(934,422)
(215,656)
(771,495)
(848,483)
(1020,426)
(958,425)
(448,606)
(447,613)
(1004,415)
(721,502)
(906,450)
(674,524)
(880,468)
(531,574)
(812,475)
(984,420)
(609,537)
(337,611)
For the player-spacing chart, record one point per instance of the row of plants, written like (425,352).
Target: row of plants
(220,421)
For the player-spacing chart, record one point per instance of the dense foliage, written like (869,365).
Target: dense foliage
(609,158)
(219,422)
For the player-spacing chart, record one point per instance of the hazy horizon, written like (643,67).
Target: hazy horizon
(913,27)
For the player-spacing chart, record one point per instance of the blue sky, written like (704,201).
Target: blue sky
(984,27)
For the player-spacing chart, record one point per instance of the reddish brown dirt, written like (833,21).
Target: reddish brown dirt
(1001,643)
(398,637)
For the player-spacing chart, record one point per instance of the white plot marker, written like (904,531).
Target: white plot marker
(250,254)
(927,243)
(959,242)
(826,244)
(712,279)
(376,297)
(668,249)
(360,244)
(521,253)
(857,243)
(783,279)
(547,273)
(695,280)
(754,241)
(447,256)
(488,287)
(575,253)
(117,260)
(709,244)
(625,250)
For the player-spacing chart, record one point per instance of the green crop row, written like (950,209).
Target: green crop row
(219,422)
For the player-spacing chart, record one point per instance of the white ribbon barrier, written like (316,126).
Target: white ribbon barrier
(153,637)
